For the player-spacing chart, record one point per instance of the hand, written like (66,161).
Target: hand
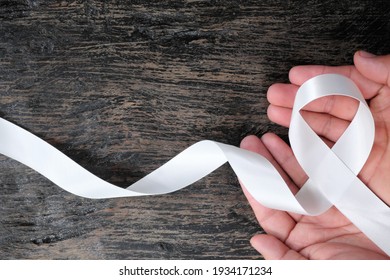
(330,235)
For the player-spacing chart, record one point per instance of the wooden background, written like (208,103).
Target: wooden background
(122,86)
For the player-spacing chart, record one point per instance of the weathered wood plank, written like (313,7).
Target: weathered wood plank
(122,86)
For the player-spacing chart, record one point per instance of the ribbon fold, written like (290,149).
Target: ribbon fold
(332,171)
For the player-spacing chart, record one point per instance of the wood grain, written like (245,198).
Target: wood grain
(123,86)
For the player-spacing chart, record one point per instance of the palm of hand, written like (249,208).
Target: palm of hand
(330,235)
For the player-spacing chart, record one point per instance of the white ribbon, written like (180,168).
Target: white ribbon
(332,172)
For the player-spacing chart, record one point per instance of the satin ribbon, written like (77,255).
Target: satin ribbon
(332,172)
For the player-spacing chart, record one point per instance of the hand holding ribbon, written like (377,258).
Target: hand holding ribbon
(330,235)
(312,225)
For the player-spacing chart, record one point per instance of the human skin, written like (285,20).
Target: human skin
(330,235)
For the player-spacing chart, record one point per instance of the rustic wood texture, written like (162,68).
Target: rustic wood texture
(122,86)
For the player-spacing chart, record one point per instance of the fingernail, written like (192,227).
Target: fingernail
(366,54)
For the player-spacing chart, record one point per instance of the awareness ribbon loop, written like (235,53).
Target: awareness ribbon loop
(332,171)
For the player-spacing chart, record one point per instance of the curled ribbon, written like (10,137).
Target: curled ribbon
(332,171)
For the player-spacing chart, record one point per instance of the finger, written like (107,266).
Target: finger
(271,248)
(254,144)
(285,158)
(282,94)
(342,107)
(279,115)
(299,74)
(328,127)
(375,68)
(278,223)
(325,125)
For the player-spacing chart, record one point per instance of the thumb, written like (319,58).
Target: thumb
(375,68)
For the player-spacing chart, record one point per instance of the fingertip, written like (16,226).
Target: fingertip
(267,135)
(275,144)
(373,67)
(292,74)
(250,142)
(364,54)
(266,245)
(274,88)
(272,248)
(300,73)
(361,58)
(269,139)
(283,95)
(254,144)
(279,115)
(254,242)
(271,113)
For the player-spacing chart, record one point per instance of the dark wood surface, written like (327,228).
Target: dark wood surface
(123,86)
